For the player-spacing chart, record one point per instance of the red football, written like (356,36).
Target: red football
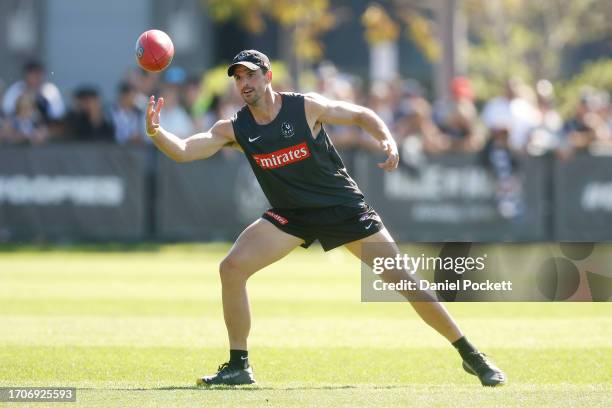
(154,50)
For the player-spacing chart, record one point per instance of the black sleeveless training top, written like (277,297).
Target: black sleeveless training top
(294,169)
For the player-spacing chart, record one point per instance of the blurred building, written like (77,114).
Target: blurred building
(86,41)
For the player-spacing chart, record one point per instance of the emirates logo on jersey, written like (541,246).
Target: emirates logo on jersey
(282,157)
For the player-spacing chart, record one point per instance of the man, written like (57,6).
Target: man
(312,195)
(88,121)
(49,101)
(127,116)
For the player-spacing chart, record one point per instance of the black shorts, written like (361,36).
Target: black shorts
(332,226)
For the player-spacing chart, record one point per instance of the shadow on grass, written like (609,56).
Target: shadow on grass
(91,247)
(103,247)
(256,388)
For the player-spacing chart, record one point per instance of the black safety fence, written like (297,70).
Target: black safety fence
(583,199)
(72,192)
(211,199)
(458,198)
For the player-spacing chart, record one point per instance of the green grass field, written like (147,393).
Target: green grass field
(135,328)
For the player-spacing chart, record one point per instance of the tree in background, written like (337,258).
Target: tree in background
(381,33)
(595,74)
(507,38)
(302,22)
(514,38)
(527,39)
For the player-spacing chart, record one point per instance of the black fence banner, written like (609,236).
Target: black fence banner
(212,199)
(67,192)
(583,199)
(76,192)
(457,198)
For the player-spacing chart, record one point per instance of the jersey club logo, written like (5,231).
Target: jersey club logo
(282,157)
(287,129)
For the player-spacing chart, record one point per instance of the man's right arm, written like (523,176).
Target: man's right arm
(198,146)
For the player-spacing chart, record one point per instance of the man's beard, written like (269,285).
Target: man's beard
(253,101)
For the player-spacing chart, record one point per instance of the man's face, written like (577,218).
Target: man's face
(251,85)
(35,78)
(127,98)
(92,104)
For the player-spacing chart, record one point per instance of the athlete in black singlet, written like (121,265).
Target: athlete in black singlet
(312,197)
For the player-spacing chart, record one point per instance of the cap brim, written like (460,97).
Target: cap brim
(249,65)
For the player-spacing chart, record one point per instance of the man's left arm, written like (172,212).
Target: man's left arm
(324,110)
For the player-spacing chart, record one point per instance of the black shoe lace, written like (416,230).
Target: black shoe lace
(479,362)
(222,367)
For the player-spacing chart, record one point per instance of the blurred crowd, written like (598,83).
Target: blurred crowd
(522,120)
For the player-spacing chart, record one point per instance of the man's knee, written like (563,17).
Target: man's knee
(232,268)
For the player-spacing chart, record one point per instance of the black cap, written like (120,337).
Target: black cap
(33,66)
(86,91)
(125,87)
(252,59)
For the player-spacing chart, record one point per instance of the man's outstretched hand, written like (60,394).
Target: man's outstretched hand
(390,148)
(152,118)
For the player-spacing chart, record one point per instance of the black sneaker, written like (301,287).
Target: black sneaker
(227,375)
(489,374)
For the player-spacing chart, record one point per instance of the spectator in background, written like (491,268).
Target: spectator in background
(231,102)
(5,131)
(213,113)
(546,136)
(223,106)
(603,111)
(499,158)
(382,101)
(334,85)
(414,128)
(47,97)
(4,127)
(191,94)
(127,118)
(607,112)
(457,118)
(586,126)
(87,121)
(175,118)
(145,83)
(516,106)
(25,124)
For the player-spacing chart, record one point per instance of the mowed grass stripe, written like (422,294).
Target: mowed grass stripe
(291,332)
(172,290)
(100,367)
(265,307)
(42,284)
(178,263)
(352,397)
(137,327)
(147,279)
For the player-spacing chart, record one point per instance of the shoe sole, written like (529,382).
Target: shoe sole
(471,372)
(201,383)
